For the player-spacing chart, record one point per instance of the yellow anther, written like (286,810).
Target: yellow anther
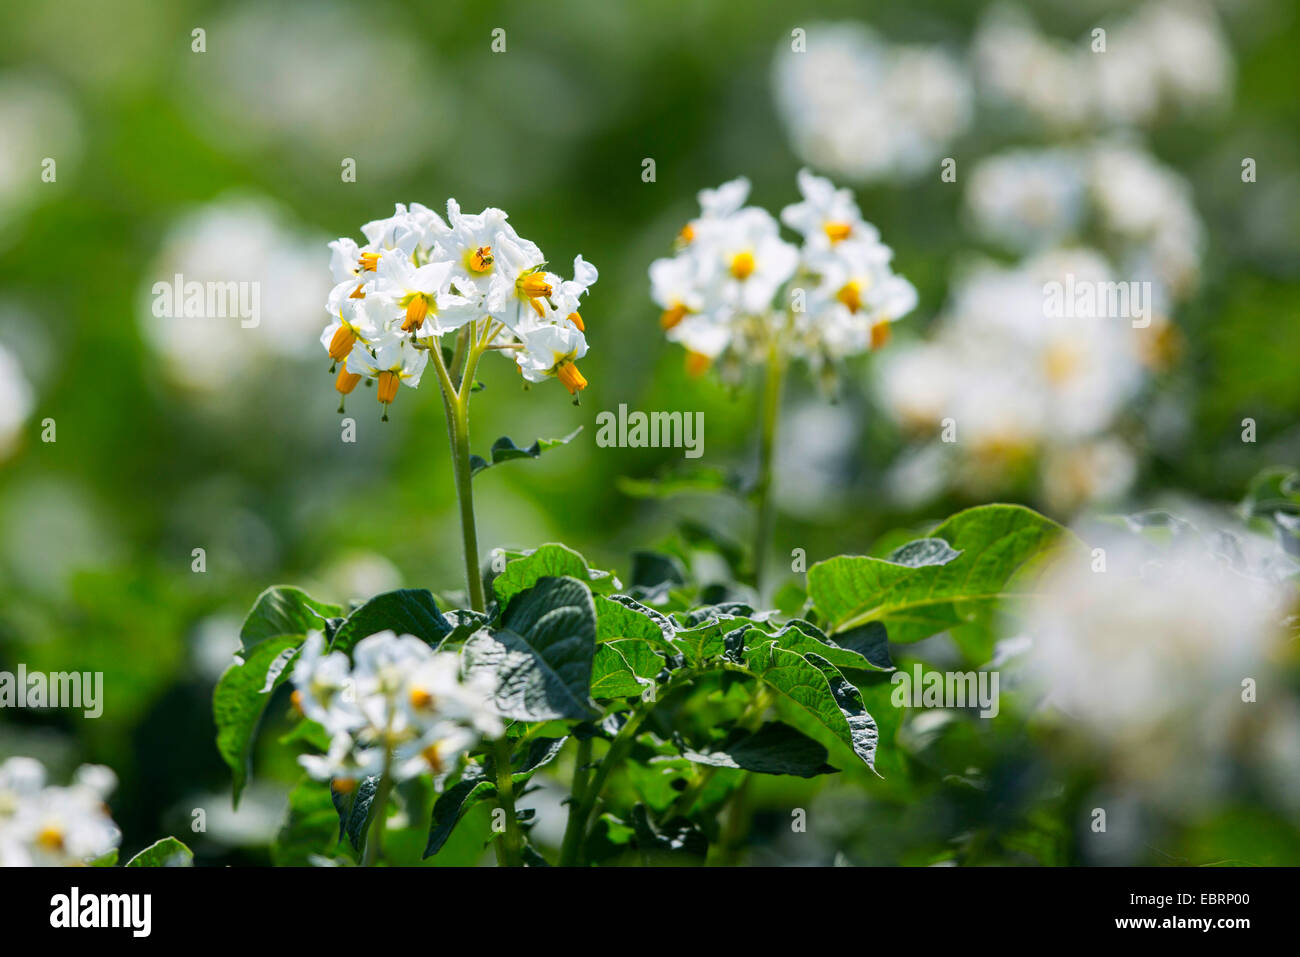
(421,700)
(344,383)
(880,333)
(672,316)
(480,259)
(416,310)
(534,285)
(368,262)
(851,295)
(386,391)
(50,838)
(837,231)
(742,265)
(568,373)
(431,755)
(1060,362)
(342,342)
(697,363)
(577,321)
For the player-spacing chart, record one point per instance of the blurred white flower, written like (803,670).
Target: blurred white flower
(1028,199)
(1016,381)
(398,704)
(1146,659)
(16,401)
(43,825)
(1112,193)
(864,109)
(326,93)
(1165,55)
(235,240)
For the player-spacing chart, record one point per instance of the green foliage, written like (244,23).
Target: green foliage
(541,654)
(505,450)
(973,560)
(666,711)
(167,852)
(284,610)
(407,611)
(241,697)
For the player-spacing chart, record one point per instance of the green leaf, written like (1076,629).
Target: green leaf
(623,668)
(352,808)
(407,611)
(862,727)
(285,610)
(477,783)
(924,587)
(168,852)
(867,648)
(505,450)
(775,748)
(542,654)
(674,838)
(241,696)
(310,825)
(814,685)
(621,617)
(549,561)
(453,804)
(106,860)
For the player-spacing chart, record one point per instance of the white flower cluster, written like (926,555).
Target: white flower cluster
(1167,54)
(44,825)
(837,96)
(418,277)
(735,288)
(398,706)
(1138,210)
(1016,383)
(1146,657)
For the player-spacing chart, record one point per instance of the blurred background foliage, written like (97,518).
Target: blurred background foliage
(226,164)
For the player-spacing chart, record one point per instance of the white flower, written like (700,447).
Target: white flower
(569,296)
(44,826)
(1020,381)
(755,261)
(395,361)
(827,215)
(519,283)
(419,277)
(1028,198)
(735,287)
(551,351)
(321,687)
(861,108)
(421,295)
(1147,657)
(469,244)
(406,709)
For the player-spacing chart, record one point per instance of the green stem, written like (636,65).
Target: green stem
(573,832)
(769,414)
(456,404)
(508,845)
(618,750)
